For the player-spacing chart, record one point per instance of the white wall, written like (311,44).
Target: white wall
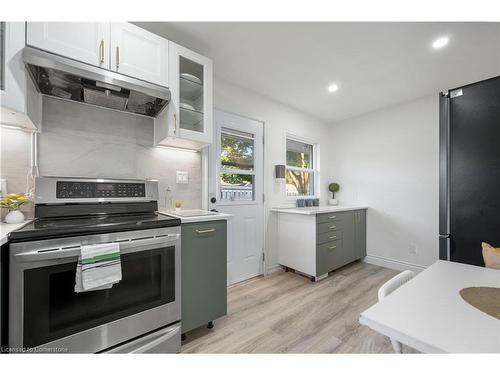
(389,161)
(278,119)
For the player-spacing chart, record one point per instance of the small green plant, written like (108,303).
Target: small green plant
(13,201)
(333,188)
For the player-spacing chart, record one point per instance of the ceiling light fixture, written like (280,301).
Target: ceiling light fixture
(440,42)
(333,87)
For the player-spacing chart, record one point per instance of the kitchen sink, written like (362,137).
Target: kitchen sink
(193,213)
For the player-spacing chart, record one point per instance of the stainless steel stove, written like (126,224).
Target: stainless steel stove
(141,313)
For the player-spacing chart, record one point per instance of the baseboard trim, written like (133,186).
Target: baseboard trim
(392,264)
(273,268)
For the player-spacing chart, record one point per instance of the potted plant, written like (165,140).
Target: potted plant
(12,202)
(333,188)
(178,205)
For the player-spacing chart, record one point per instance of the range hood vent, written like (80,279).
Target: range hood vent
(64,78)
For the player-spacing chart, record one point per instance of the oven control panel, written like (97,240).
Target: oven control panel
(81,189)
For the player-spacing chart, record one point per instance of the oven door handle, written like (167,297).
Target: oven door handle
(126,246)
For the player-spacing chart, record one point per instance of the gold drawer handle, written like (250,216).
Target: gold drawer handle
(117,57)
(333,227)
(101,52)
(332,237)
(332,247)
(205,231)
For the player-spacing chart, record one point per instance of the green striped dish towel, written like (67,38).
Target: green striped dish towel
(99,267)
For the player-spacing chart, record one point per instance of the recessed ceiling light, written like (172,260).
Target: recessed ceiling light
(333,87)
(440,42)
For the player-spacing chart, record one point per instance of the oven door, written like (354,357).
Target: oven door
(46,314)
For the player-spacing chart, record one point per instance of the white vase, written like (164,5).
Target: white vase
(333,202)
(14,217)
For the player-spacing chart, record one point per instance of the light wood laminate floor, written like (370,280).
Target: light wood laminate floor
(287,313)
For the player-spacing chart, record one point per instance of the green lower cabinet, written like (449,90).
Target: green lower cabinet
(360,229)
(340,240)
(204,273)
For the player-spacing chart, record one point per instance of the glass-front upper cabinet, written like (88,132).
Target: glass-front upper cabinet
(191,86)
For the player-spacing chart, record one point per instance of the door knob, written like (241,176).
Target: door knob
(213,200)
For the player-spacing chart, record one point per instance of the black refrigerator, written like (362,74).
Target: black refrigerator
(469,186)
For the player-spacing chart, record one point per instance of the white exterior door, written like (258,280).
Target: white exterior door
(236,187)
(139,53)
(87,42)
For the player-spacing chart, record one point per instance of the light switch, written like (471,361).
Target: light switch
(181,177)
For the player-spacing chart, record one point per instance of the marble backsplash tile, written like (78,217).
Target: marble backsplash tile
(84,141)
(15,155)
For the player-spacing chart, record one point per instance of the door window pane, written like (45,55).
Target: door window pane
(237,173)
(299,154)
(299,183)
(236,152)
(237,187)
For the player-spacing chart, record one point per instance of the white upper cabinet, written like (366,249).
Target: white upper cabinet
(139,53)
(191,86)
(87,42)
(20,104)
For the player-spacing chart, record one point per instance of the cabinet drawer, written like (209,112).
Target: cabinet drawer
(328,236)
(329,256)
(328,227)
(333,216)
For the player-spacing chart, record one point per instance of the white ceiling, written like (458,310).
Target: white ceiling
(375,64)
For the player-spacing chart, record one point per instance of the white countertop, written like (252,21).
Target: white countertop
(316,210)
(5,229)
(428,313)
(203,215)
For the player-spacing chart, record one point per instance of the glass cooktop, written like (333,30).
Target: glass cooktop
(84,225)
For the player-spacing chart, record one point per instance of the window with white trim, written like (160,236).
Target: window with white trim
(300,168)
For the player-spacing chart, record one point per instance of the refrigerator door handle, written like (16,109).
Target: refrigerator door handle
(444,163)
(444,246)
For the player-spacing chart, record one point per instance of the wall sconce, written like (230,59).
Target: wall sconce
(279,172)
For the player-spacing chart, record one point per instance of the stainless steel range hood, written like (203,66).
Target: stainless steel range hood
(68,79)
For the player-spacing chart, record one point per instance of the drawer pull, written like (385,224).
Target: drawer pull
(332,237)
(332,217)
(333,227)
(332,247)
(205,231)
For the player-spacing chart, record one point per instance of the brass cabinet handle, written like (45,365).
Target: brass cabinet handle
(117,57)
(205,231)
(333,227)
(332,237)
(101,52)
(332,247)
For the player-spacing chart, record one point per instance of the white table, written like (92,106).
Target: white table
(428,313)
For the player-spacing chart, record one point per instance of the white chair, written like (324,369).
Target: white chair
(389,287)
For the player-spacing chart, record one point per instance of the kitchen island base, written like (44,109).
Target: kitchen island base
(318,243)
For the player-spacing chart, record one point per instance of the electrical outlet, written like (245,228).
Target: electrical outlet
(181,177)
(412,248)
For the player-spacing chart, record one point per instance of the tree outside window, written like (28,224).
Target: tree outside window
(237,166)
(299,168)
